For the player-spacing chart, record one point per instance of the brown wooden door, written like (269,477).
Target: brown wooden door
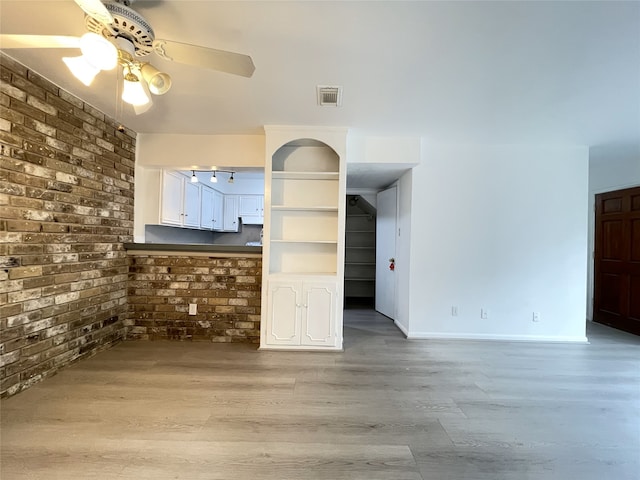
(616,299)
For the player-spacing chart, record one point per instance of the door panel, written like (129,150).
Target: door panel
(617,260)
(612,237)
(386,229)
(318,322)
(284,313)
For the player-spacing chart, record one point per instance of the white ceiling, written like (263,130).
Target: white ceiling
(473,72)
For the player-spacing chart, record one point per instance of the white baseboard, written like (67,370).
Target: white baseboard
(490,336)
(402,328)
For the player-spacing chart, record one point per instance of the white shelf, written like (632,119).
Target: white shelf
(304,241)
(305,175)
(289,275)
(291,208)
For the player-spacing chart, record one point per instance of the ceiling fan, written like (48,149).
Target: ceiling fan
(119,36)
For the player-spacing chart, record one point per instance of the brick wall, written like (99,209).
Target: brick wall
(226,291)
(66,208)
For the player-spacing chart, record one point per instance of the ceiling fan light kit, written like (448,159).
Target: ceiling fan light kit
(99,51)
(133,92)
(98,54)
(118,35)
(81,69)
(159,82)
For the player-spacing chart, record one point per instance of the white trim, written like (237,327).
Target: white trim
(490,336)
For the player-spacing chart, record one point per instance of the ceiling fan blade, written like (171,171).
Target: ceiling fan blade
(96,9)
(38,41)
(204,57)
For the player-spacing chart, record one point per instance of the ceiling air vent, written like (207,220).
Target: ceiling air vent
(329,96)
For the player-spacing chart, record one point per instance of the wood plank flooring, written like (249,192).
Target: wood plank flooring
(385,408)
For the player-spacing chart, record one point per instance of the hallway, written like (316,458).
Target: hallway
(385,408)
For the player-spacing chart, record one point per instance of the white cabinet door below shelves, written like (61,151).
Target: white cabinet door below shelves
(318,317)
(301,313)
(283,313)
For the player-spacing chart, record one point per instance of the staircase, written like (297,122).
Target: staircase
(360,254)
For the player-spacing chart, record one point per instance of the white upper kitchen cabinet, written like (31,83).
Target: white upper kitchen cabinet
(252,209)
(180,200)
(206,208)
(231,214)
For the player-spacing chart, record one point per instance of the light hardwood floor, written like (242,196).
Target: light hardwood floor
(386,408)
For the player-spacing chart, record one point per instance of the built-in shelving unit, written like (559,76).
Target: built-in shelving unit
(360,253)
(303,245)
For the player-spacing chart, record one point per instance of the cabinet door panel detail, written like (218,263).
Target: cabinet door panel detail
(284,313)
(319,315)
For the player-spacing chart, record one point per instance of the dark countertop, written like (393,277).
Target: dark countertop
(204,248)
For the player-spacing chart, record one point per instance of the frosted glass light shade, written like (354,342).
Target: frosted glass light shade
(81,69)
(133,91)
(99,51)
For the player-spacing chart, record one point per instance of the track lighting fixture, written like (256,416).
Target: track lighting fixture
(214,175)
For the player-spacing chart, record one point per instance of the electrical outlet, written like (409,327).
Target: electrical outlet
(484,313)
(193,309)
(536,316)
(454,311)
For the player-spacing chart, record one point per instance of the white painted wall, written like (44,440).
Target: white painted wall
(502,228)
(200,151)
(606,174)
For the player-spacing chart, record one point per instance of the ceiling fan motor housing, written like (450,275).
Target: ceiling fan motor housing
(128,24)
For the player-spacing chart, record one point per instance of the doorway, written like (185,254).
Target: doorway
(616,300)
